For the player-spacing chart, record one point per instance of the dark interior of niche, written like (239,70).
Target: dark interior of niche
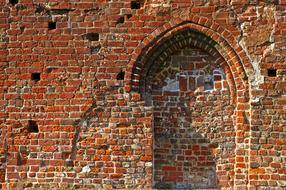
(13,2)
(120,75)
(135,5)
(91,36)
(52,25)
(33,126)
(272,72)
(36,76)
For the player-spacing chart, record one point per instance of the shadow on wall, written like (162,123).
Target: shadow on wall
(183,155)
(183,158)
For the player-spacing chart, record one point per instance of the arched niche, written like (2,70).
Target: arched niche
(212,110)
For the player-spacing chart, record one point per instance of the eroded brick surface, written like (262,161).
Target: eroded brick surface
(140,94)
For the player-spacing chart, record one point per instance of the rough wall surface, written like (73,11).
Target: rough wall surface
(147,93)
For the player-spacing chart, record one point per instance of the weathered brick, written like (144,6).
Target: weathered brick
(196,108)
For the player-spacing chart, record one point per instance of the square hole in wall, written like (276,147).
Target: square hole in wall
(91,36)
(52,25)
(33,126)
(272,72)
(135,5)
(36,76)
(120,75)
(13,2)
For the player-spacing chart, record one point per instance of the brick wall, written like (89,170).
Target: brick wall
(124,94)
(193,129)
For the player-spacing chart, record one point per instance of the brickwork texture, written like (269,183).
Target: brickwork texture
(174,94)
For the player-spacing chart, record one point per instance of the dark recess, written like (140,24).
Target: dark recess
(36,76)
(120,75)
(135,5)
(52,25)
(91,36)
(13,2)
(33,126)
(272,72)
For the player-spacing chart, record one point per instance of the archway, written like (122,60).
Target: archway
(188,84)
(219,90)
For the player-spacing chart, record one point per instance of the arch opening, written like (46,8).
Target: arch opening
(191,89)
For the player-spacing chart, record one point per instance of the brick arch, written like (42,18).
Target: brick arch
(237,60)
(183,39)
(227,45)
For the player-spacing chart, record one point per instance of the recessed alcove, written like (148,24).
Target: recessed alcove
(120,75)
(91,36)
(272,72)
(135,5)
(33,126)
(52,25)
(13,2)
(184,82)
(36,76)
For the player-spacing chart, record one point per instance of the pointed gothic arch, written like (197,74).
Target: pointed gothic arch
(215,40)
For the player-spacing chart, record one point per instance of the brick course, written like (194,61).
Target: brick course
(141,94)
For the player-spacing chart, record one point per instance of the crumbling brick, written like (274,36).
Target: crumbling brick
(141,94)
